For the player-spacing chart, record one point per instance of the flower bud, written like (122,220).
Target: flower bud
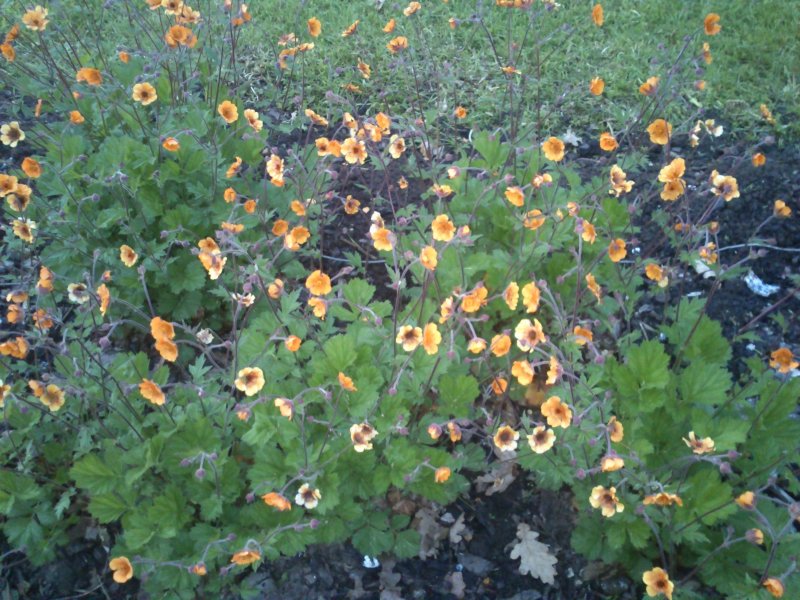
(200,473)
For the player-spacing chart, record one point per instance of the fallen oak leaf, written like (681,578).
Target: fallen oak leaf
(535,557)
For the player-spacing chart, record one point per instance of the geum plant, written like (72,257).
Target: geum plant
(189,364)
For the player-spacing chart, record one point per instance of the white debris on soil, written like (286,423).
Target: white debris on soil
(757,285)
(370,562)
(703,269)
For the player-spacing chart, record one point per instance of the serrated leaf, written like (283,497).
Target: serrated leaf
(456,394)
(93,475)
(107,507)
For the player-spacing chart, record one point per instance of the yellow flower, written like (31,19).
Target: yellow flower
(455,431)
(410,337)
(447,309)
(582,335)
(307,497)
(228,111)
(78,293)
(361,435)
(529,334)
(123,570)
(554,371)
(506,439)
(285,406)
(476,345)
(746,500)
(431,338)
(36,18)
(318,283)
(397,146)
(541,439)
(660,131)
(619,182)
(128,255)
(11,134)
(354,151)
(474,300)
(250,380)
(606,500)
(52,397)
(152,392)
(253,119)
(724,185)
(24,229)
(557,413)
(553,149)
(611,462)
(275,169)
(657,582)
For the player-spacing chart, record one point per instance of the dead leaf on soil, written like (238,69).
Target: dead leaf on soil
(426,522)
(535,557)
(457,585)
(459,531)
(389,580)
(498,479)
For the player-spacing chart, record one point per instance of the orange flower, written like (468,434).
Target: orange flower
(389,27)
(31,168)
(597,14)
(530,297)
(16,348)
(460,112)
(351,29)
(649,87)
(285,406)
(397,44)
(250,380)
(170,144)
(228,111)
(511,295)
(211,258)
(746,500)
(447,309)
(523,371)
(611,462)
(657,582)
(582,335)
(180,35)
(474,300)
(505,439)
(428,258)
(89,75)
(314,27)
(553,149)
(759,159)
(396,146)
(616,250)
(293,343)
(123,570)
(699,446)
(606,500)
(442,474)
(354,151)
(616,432)
(774,586)
(454,431)
(711,24)
(105,298)
(412,8)
(593,286)
(655,273)
(663,499)
(52,397)
(724,185)
(8,184)
(152,392)
(319,306)
(76,118)
(529,334)
(515,195)
(124,56)
(443,229)
(276,500)
(431,338)
(783,360)
(36,18)
(383,239)
(608,142)
(660,131)
(318,283)
(596,86)
(410,337)
(252,119)
(246,557)
(500,344)
(346,383)
(557,413)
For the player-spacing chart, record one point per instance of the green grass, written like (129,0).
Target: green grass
(756,58)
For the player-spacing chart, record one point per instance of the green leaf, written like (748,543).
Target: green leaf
(704,383)
(358,292)
(341,352)
(456,394)
(107,507)
(94,476)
